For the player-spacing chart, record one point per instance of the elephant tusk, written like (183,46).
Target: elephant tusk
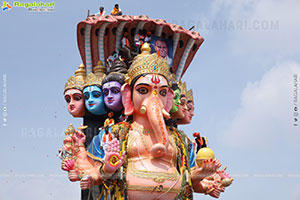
(143,109)
(165,114)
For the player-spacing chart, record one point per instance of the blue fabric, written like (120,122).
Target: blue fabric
(96,146)
(192,155)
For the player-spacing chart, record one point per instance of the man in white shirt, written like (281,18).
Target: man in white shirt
(126,47)
(161,48)
(101,11)
(148,37)
(139,40)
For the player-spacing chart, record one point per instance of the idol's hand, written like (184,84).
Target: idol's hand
(208,168)
(218,163)
(79,138)
(67,164)
(86,182)
(65,152)
(113,160)
(74,175)
(68,140)
(215,193)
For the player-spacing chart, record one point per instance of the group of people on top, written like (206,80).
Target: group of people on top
(116,11)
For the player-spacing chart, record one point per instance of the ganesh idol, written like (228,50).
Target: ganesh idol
(146,159)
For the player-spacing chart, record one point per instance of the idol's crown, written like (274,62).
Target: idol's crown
(182,87)
(189,95)
(78,81)
(147,63)
(94,79)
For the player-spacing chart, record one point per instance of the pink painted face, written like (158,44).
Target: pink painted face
(188,114)
(183,104)
(147,87)
(190,107)
(183,108)
(75,100)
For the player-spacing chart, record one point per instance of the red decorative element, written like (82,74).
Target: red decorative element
(113,160)
(155,87)
(155,79)
(197,134)
(158,53)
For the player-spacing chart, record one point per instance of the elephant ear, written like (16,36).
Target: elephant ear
(126,99)
(170,96)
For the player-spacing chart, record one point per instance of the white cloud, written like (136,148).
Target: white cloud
(266,29)
(265,117)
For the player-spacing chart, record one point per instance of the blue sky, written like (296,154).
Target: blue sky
(242,77)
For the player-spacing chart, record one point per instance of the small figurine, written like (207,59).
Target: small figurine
(109,121)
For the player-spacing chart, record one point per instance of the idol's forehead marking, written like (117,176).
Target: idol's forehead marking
(154,79)
(72,92)
(92,88)
(111,84)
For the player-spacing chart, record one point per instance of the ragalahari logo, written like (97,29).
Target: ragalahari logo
(6,6)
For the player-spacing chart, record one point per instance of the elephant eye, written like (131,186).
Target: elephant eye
(163,92)
(143,90)
(68,99)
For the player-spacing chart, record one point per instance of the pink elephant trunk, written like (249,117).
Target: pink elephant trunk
(156,118)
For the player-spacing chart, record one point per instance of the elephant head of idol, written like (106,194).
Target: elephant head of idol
(73,93)
(147,97)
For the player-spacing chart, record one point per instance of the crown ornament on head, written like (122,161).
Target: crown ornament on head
(94,79)
(78,81)
(182,87)
(147,63)
(172,79)
(189,95)
(99,69)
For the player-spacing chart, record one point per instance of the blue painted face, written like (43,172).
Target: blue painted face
(94,101)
